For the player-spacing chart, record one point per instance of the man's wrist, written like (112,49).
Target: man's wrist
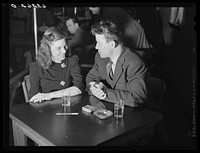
(104,96)
(105,92)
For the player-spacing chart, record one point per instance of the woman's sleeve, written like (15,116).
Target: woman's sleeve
(93,75)
(75,70)
(34,79)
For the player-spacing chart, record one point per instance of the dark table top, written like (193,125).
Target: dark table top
(84,129)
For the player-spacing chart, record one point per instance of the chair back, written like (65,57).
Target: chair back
(26,87)
(156,90)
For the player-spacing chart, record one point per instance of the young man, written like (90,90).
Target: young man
(80,38)
(125,77)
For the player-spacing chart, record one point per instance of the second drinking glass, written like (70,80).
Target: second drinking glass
(66,98)
(119,109)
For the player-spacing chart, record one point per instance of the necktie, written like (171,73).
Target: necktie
(109,70)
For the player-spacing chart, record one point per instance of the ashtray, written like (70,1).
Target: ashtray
(103,113)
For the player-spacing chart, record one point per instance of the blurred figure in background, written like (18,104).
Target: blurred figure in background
(79,40)
(151,21)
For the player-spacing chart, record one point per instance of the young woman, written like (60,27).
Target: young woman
(54,72)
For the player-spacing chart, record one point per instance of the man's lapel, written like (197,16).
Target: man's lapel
(119,67)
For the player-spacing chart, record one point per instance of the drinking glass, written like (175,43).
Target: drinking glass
(66,98)
(119,109)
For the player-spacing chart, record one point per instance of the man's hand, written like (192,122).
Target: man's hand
(96,90)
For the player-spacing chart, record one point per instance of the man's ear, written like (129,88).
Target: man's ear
(76,24)
(113,44)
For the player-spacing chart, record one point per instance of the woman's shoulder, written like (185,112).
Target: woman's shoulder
(34,66)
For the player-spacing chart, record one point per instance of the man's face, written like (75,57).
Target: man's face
(95,10)
(103,47)
(71,26)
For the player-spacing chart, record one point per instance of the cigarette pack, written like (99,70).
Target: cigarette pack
(88,108)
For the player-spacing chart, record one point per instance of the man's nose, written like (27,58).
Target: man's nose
(63,50)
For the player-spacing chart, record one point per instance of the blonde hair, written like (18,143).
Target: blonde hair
(44,52)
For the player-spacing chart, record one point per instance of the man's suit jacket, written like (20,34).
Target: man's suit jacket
(129,78)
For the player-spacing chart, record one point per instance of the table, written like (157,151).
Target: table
(40,123)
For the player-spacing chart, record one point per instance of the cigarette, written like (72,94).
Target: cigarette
(96,85)
(66,113)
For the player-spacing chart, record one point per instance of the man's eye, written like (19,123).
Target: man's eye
(66,47)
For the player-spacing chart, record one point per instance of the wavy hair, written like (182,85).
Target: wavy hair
(109,30)
(43,56)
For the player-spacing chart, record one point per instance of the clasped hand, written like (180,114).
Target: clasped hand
(39,97)
(96,90)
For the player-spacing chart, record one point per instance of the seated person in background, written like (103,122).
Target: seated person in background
(80,39)
(134,35)
(54,72)
(117,72)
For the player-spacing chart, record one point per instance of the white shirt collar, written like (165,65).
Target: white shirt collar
(114,61)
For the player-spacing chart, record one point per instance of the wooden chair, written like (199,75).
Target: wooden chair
(156,89)
(15,82)
(26,87)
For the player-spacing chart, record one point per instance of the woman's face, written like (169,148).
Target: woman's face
(58,50)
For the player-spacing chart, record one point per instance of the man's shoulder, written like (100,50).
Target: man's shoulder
(132,56)
(81,30)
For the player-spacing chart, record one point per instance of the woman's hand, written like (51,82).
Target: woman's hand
(39,97)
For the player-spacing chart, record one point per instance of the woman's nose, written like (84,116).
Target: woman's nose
(96,46)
